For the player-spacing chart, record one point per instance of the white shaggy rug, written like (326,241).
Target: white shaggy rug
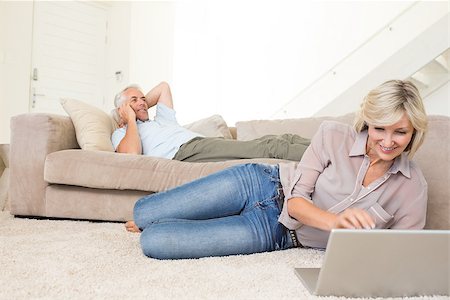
(50,259)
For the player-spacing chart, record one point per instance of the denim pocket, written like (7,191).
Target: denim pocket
(272,172)
(270,202)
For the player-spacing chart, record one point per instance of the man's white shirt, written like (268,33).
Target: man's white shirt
(161,137)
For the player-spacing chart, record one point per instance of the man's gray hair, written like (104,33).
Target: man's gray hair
(120,98)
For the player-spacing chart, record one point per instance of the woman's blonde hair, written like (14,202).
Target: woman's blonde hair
(386,104)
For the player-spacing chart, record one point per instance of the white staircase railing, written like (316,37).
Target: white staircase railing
(411,40)
(433,75)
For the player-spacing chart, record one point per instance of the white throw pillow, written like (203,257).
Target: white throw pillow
(93,127)
(214,126)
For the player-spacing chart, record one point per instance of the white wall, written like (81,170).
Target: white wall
(15,61)
(244,59)
(118,50)
(151,42)
(140,45)
(415,39)
(241,59)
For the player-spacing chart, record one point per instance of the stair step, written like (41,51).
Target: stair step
(418,83)
(443,59)
(434,67)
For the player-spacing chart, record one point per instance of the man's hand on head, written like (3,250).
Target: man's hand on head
(131,142)
(126,113)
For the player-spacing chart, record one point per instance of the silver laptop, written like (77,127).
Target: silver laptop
(382,263)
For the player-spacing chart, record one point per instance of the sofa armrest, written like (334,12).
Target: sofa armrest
(33,136)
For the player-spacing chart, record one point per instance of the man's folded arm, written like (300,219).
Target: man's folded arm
(131,142)
(160,94)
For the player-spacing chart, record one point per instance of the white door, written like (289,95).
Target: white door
(69,53)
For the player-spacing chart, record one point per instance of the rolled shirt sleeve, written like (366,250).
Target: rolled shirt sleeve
(300,182)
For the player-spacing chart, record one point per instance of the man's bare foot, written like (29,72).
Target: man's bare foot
(131,227)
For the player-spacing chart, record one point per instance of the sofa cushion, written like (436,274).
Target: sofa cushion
(433,157)
(214,126)
(305,127)
(93,127)
(109,170)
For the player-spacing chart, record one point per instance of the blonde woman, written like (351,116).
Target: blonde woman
(349,177)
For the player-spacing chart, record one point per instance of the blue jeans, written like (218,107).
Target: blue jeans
(234,211)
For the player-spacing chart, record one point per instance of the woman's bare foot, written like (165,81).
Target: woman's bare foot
(131,227)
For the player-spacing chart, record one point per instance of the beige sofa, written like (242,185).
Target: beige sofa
(51,176)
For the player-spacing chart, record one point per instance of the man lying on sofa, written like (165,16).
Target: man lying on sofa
(164,137)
